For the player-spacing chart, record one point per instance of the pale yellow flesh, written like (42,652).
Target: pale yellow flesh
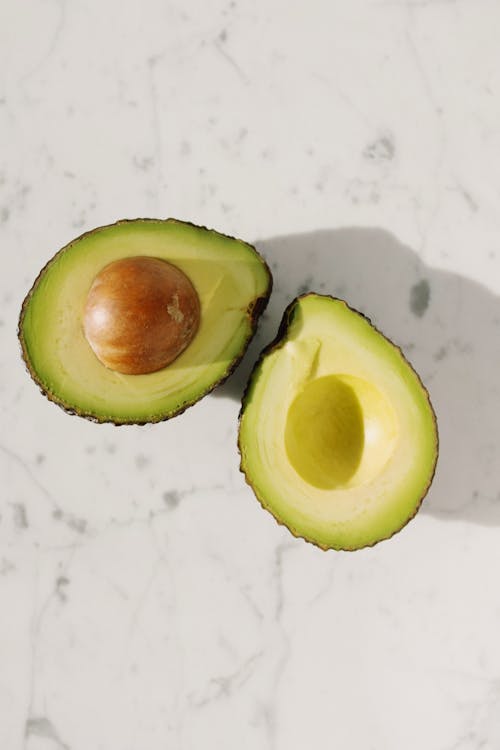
(227,275)
(337,436)
(340,431)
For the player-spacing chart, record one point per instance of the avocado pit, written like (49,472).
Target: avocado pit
(140,314)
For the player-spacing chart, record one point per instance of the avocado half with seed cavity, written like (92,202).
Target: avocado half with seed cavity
(133,322)
(338,438)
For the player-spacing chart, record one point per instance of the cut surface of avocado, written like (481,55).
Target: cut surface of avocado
(338,438)
(232,284)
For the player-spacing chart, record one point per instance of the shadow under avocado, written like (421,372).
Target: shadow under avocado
(447,326)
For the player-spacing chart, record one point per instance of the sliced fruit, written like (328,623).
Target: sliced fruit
(136,321)
(338,438)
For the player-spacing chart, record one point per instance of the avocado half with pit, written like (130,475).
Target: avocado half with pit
(133,322)
(338,438)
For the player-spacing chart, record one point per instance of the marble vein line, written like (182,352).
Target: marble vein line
(232,62)
(24,466)
(36,724)
(225,685)
(52,44)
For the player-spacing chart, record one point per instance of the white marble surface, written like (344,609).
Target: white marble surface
(147,602)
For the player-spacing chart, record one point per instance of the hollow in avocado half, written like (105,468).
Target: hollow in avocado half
(338,438)
(133,322)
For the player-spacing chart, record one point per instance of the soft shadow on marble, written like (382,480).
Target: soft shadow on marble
(447,325)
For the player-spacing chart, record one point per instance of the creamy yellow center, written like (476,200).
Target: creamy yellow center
(340,432)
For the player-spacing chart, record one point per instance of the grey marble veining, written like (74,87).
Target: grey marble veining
(147,600)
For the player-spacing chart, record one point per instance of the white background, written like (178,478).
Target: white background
(146,600)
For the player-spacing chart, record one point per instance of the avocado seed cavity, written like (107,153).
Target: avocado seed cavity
(340,432)
(140,314)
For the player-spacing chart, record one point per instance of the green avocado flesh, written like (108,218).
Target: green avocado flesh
(338,438)
(231,280)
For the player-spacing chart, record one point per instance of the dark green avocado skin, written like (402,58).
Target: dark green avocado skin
(253,314)
(276,343)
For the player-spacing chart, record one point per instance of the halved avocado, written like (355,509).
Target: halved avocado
(229,284)
(338,438)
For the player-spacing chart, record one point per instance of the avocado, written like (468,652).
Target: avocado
(338,438)
(133,322)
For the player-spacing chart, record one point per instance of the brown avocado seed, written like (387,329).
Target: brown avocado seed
(140,314)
